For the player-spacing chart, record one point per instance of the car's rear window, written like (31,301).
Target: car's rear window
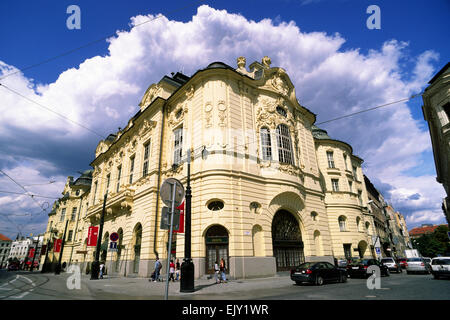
(445,262)
(387,260)
(306,265)
(414,259)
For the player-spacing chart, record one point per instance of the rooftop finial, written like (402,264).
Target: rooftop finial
(266,62)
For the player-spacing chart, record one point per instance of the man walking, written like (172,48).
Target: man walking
(158,267)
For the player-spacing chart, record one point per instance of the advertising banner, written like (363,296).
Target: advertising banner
(58,244)
(92,236)
(181,225)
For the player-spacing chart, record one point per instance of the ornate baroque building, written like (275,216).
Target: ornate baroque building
(262,188)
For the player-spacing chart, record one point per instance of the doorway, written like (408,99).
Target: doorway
(216,247)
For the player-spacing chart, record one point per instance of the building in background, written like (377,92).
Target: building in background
(423,229)
(5,247)
(436,111)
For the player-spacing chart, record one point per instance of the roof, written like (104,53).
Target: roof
(319,133)
(424,230)
(439,73)
(4,238)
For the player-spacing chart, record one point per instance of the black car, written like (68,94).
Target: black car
(318,273)
(359,268)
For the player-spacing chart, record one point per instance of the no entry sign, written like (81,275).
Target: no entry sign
(114,236)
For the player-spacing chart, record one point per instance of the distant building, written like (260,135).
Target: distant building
(436,111)
(5,247)
(19,248)
(423,229)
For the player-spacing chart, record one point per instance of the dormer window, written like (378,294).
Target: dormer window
(281,111)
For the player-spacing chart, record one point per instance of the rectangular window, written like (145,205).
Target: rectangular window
(350,185)
(178,146)
(330,159)
(348,251)
(354,173)
(335,184)
(446,109)
(63,214)
(108,180)
(146,156)
(266,144)
(131,169)
(95,192)
(345,162)
(360,197)
(69,237)
(119,173)
(74,212)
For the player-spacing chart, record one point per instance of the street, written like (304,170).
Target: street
(24,285)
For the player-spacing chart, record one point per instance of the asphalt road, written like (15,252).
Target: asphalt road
(36,286)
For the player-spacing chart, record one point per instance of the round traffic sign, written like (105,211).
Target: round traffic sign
(114,236)
(166,192)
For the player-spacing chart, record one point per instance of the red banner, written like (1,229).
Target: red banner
(31,253)
(58,244)
(181,226)
(92,236)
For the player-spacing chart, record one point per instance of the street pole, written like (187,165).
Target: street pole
(58,266)
(95,269)
(169,249)
(187,267)
(34,255)
(44,266)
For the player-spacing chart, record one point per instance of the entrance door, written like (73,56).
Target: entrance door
(137,258)
(287,241)
(216,247)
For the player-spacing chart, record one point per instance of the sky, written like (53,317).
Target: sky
(96,76)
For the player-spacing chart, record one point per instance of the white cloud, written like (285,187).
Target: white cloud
(330,81)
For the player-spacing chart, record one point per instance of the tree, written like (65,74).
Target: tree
(434,244)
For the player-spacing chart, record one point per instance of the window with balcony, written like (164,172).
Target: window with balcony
(69,236)
(63,214)
(74,213)
(108,180)
(266,144)
(284,144)
(330,159)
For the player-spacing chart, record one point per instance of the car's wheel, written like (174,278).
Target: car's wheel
(319,280)
(298,283)
(435,276)
(343,278)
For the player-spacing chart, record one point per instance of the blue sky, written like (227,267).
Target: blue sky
(412,35)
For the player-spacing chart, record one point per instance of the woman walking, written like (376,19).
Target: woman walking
(223,269)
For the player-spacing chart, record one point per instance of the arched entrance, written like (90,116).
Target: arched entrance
(119,250)
(287,241)
(216,240)
(362,246)
(137,247)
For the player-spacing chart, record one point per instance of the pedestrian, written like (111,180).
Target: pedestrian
(177,269)
(216,272)
(102,266)
(171,271)
(223,269)
(158,267)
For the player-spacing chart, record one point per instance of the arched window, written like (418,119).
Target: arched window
(284,144)
(314,216)
(281,111)
(266,144)
(342,224)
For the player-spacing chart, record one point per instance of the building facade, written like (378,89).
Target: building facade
(436,111)
(5,247)
(263,195)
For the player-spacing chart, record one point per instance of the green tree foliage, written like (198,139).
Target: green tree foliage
(434,244)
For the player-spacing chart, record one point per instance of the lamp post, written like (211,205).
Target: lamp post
(187,267)
(95,269)
(58,266)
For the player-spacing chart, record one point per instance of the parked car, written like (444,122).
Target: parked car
(402,262)
(427,263)
(13,266)
(440,267)
(391,264)
(416,265)
(359,268)
(318,273)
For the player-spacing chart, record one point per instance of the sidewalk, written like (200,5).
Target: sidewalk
(142,287)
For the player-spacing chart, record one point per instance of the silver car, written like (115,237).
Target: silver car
(391,264)
(416,265)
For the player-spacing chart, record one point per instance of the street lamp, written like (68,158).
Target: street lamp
(95,269)
(187,267)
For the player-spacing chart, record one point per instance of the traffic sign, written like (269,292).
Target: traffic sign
(166,192)
(165,219)
(114,236)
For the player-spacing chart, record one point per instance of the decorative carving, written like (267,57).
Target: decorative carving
(181,111)
(222,113)
(241,62)
(190,92)
(266,62)
(147,125)
(208,114)
(289,169)
(279,84)
(152,92)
